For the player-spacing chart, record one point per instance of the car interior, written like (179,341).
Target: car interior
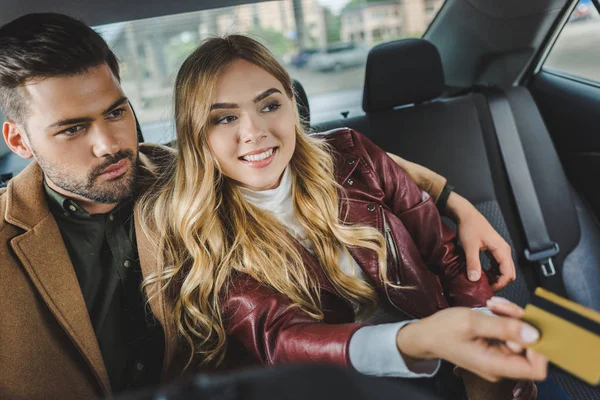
(482,72)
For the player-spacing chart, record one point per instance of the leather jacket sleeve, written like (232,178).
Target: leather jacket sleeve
(434,239)
(274,331)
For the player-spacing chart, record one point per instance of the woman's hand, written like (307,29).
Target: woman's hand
(524,389)
(476,234)
(475,341)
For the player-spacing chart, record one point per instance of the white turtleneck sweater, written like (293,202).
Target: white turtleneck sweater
(373,349)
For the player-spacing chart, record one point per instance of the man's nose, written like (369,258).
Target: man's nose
(105,142)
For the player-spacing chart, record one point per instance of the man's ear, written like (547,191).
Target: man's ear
(16,139)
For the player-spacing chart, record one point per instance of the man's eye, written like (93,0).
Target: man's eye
(271,107)
(116,114)
(72,131)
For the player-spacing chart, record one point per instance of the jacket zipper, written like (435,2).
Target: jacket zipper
(393,251)
(391,245)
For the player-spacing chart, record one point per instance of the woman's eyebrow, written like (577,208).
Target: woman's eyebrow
(223,105)
(258,98)
(266,94)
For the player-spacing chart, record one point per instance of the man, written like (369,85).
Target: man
(75,322)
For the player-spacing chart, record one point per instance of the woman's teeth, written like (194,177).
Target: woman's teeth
(258,157)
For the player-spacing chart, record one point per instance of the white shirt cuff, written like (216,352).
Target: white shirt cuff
(373,351)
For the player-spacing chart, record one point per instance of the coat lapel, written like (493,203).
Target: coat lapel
(44,257)
(147,253)
(149,265)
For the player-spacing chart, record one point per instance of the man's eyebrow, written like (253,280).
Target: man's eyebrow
(116,104)
(75,121)
(266,94)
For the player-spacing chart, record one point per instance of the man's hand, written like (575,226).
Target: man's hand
(476,234)
(476,342)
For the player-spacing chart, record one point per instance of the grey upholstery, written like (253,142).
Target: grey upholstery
(455,137)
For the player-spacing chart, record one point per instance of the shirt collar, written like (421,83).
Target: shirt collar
(70,208)
(272,199)
(66,205)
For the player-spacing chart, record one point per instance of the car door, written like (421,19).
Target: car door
(566,88)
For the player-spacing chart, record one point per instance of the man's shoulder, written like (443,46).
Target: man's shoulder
(157,152)
(155,157)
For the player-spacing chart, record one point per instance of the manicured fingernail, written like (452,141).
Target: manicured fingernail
(500,299)
(529,334)
(517,392)
(497,300)
(473,275)
(514,346)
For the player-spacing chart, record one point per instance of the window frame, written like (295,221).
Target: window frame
(546,49)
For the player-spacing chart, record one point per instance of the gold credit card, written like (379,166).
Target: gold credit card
(570,334)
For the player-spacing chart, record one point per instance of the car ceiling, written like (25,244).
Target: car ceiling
(493,41)
(479,40)
(99,12)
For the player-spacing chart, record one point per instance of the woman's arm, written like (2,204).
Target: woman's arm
(474,231)
(468,343)
(274,331)
(434,239)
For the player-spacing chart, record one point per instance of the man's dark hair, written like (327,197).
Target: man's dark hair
(38,46)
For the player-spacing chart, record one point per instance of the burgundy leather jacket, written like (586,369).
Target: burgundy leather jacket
(421,253)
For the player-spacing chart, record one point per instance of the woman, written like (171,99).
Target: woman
(286,244)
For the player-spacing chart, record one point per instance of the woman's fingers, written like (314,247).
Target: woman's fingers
(502,306)
(539,364)
(496,364)
(475,341)
(503,328)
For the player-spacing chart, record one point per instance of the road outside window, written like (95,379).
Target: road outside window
(323,43)
(577,50)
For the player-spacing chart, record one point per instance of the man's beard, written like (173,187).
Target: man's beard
(109,192)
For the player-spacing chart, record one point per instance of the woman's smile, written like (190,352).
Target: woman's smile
(259,158)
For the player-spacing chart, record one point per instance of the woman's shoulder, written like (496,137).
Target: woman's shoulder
(343,139)
(348,142)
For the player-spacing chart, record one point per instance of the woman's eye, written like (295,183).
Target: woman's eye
(225,120)
(271,107)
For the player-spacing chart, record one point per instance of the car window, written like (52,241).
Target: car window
(326,53)
(577,49)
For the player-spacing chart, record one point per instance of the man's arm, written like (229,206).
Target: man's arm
(474,231)
(426,179)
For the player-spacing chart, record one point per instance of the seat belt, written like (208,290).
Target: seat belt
(540,248)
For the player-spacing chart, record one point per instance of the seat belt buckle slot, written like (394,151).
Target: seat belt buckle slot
(544,258)
(548,268)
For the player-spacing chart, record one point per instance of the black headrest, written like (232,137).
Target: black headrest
(302,102)
(138,128)
(402,72)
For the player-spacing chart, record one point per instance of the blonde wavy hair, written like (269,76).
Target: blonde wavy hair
(205,231)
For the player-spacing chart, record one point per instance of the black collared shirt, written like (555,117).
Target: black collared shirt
(103,252)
